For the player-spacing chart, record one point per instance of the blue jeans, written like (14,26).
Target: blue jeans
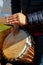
(38,50)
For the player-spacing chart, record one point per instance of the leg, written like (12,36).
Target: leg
(38,49)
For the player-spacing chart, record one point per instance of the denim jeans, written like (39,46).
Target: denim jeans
(38,50)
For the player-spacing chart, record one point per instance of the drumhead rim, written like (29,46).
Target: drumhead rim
(20,55)
(27,46)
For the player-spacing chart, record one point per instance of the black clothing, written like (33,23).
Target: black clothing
(34,11)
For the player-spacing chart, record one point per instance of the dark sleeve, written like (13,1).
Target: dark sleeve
(16,7)
(35,12)
(35,18)
(35,21)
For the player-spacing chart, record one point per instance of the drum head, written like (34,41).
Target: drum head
(13,45)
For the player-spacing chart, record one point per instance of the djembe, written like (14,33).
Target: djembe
(18,47)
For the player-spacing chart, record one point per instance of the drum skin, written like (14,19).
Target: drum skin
(19,42)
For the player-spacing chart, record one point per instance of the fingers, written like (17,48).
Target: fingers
(13,19)
(15,15)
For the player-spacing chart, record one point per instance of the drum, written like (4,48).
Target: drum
(19,47)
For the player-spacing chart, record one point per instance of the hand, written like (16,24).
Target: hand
(18,18)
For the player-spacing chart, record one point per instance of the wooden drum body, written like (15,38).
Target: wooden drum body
(18,47)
